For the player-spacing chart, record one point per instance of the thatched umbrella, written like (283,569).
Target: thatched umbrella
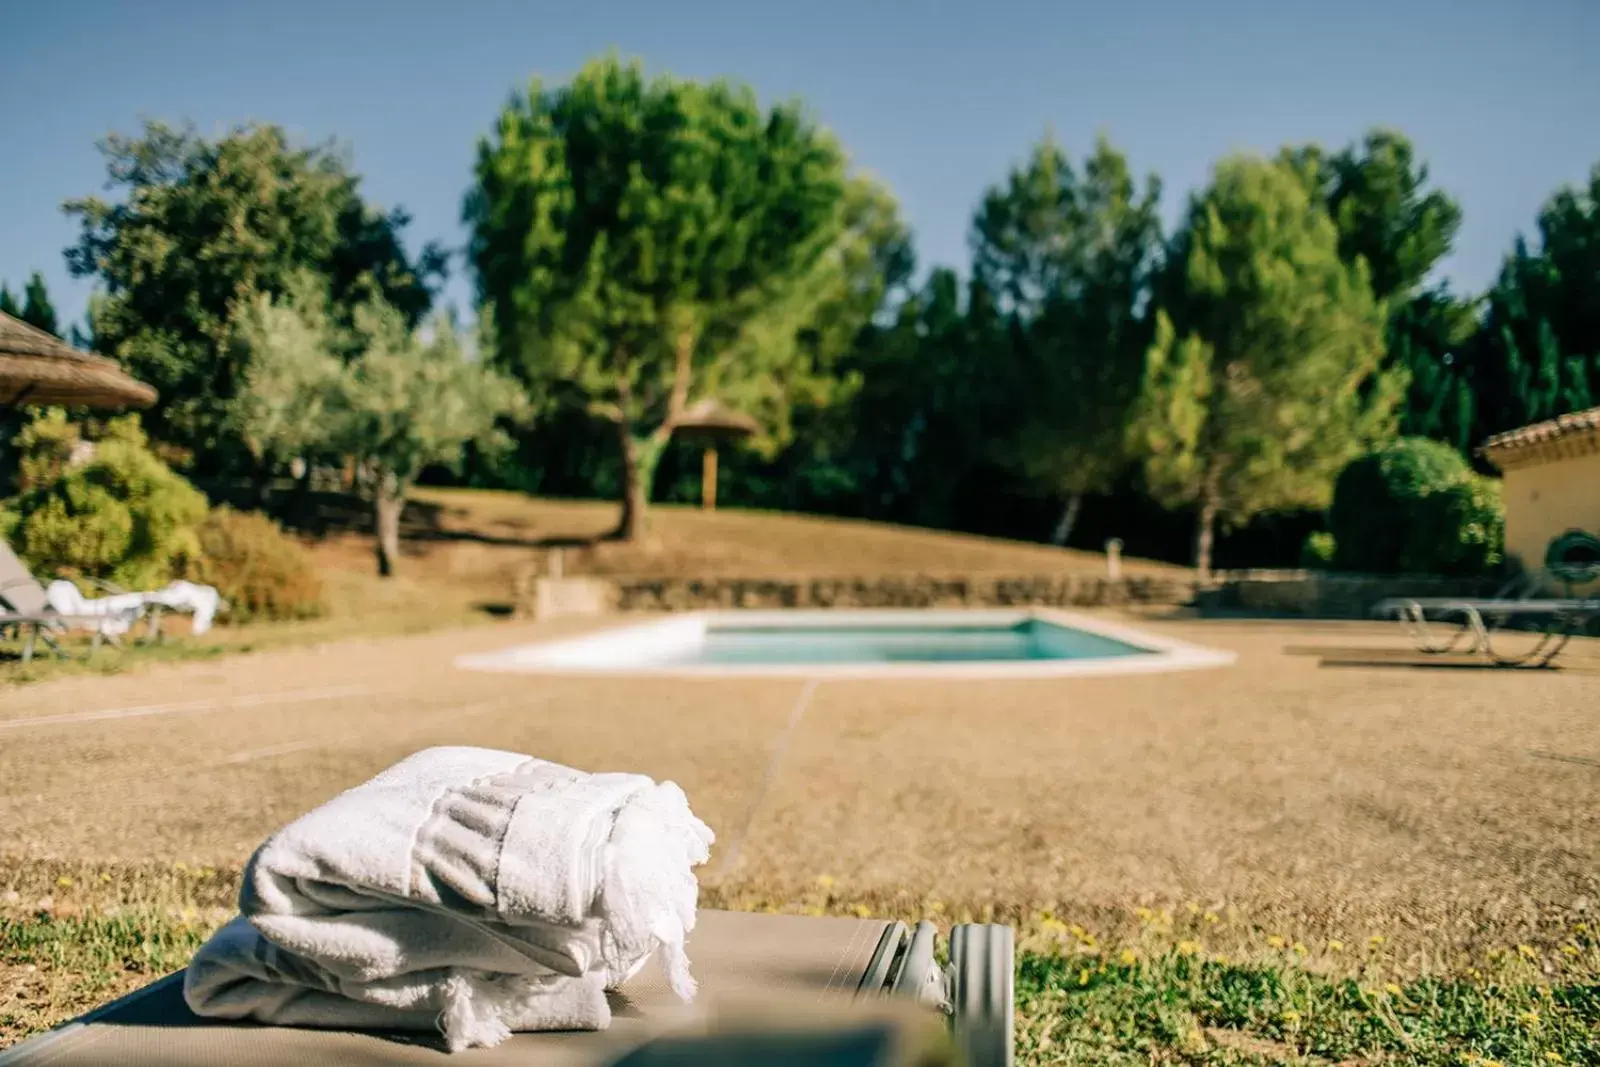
(38,369)
(710,422)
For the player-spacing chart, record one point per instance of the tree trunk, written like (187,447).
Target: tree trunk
(1205,527)
(639,458)
(1069,519)
(388,501)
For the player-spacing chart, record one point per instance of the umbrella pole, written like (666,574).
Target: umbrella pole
(708,478)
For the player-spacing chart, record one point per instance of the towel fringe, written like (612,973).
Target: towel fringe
(466,1021)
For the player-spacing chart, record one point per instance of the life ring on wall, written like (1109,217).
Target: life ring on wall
(1574,557)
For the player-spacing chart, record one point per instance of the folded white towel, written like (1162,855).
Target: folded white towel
(238,974)
(201,601)
(488,867)
(115,614)
(118,613)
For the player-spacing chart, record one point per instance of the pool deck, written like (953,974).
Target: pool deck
(1324,778)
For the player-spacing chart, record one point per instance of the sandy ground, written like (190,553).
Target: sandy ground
(1326,782)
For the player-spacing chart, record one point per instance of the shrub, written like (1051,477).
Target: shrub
(1415,507)
(1317,552)
(260,571)
(106,509)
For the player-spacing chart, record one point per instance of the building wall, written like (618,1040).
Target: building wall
(1547,499)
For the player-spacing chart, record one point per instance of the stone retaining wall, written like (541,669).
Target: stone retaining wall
(898,591)
(1291,593)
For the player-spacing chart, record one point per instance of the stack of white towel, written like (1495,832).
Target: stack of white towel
(477,891)
(118,613)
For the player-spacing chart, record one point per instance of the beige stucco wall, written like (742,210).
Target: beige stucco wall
(1547,499)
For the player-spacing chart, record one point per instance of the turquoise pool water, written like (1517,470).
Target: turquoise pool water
(1030,640)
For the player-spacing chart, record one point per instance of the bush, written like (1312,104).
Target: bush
(261,572)
(1318,551)
(1415,507)
(106,509)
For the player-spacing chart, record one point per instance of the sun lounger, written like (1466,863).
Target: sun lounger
(1476,622)
(769,978)
(25,607)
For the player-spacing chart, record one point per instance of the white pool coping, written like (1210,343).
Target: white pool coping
(634,649)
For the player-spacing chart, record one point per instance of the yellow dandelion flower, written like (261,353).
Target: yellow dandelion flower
(1188,948)
(1335,946)
(1077,931)
(1211,917)
(1290,1017)
(1473,972)
(64,882)
(1128,957)
(1393,990)
(1046,915)
(1083,976)
(1582,928)
(1526,952)
(1300,948)
(862,911)
(1375,939)
(1529,1018)
(1275,941)
(825,880)
(1220,958)
(1144,914)
(936,906)
(1490,1063)
(1571,950)
(1553,1057)
(105,879)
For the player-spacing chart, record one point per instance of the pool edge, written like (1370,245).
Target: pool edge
(1162,654)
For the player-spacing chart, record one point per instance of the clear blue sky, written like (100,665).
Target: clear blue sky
(1503,98)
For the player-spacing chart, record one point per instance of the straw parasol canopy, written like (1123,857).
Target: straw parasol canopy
(39,369)
(714,421)
(708,422)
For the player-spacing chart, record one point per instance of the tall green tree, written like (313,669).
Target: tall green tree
(1538,355)
(1069,258)
(202,227)
(1379,193)
(1266,374)
(647,242)
(36,307)
(394,397)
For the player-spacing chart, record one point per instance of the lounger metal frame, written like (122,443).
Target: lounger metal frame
(1479,620)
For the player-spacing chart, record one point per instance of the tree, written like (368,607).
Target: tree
(1378,199)
(395,397)
(1378,194)
(1265,377)
(36,307)
(1068,259)
(203,227)
(1538,354)
(649,242)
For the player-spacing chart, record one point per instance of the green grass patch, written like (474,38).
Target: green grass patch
(1179,1008)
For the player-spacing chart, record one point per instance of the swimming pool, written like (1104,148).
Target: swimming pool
(969,644)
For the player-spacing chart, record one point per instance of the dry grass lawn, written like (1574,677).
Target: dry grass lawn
(1326,802)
